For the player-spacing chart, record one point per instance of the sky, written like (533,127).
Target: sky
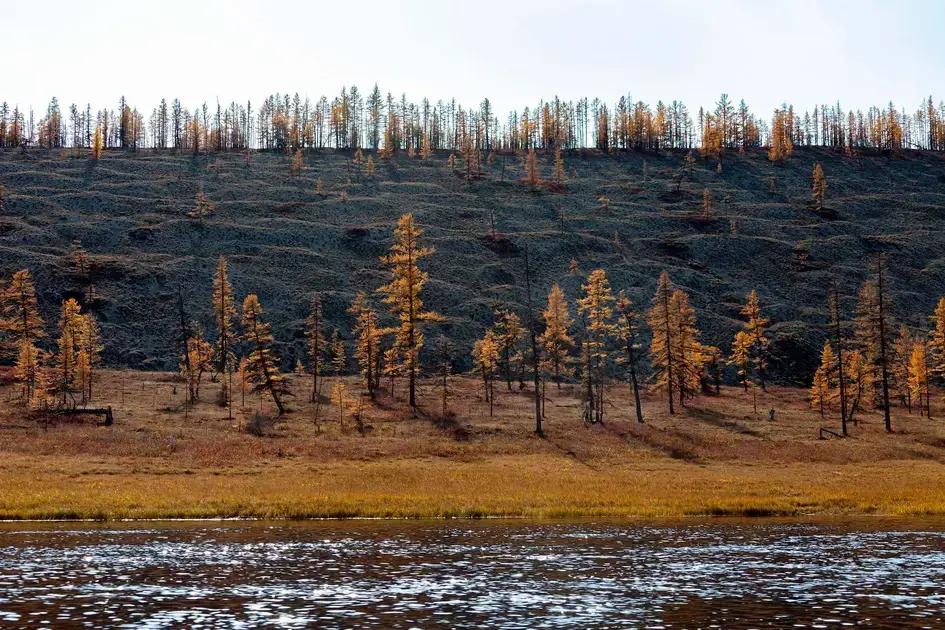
(515,52)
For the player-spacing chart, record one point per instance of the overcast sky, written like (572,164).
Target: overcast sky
(513,51)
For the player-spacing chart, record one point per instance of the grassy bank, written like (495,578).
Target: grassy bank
(533,486)
(717,457)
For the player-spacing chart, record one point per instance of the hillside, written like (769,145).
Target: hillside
(285,242)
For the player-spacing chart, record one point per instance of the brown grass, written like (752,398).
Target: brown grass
(717,457)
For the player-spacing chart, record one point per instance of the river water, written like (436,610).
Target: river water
(472,574)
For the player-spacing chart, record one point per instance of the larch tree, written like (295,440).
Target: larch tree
(403,294)
(937,341)
(89,355)
(755,329)
(19,310)
(444,359)
(691,355)
(559,166)
(509,334)
(21,321)
(262,366)
(859,382)
(741,358)
(197,359)
(98,144)
(823,386)
(485,356)
(628,332)
(367,344)
(555,340)
(224,312)
(872,329)
(315,342)
(836,323)
(66,360)
(597,309)
(706,204)
(531,169)
(919,377)
(902,348)
(337,355)
(662,338)
(818,186)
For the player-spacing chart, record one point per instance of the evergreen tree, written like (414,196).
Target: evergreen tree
(937,341)
(596,309)
(691,355)
(486,359)
(367,345)
(555,340)
(19,311)
(628,332)
(662,339)
(403,296)
(757,340)
(509,334)
(262,368)
(224,312)
(818,186)
(822,390)
(919,377)
(70,321)
(316,342)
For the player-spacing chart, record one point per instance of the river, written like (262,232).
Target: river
(513,574)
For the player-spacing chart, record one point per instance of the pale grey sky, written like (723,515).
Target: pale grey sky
(513,51)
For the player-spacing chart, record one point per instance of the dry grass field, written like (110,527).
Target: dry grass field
(717,457)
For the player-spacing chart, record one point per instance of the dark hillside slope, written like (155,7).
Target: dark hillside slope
(285,242)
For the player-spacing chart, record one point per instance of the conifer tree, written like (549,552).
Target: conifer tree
(426,149)
(68,350)
(837,325)
(486,359)
(224,312)
(531,169)
(596,309)
(444,369)
(555,340)
(757,341)
(316,342)
(337,356)
(90,353)
(628,332)
(298,163)
(27,370)
(197,359)
(203,207)
(509,333)
(706,204)
(97,144)
(369,167)
(691,355)
(559,166)
(818,186)
(859,382)
(822,387)
(367,345)
(937,341)
(902,349)
(403,296)
(662,340)
(741,357)
(262,367)
(19,310)
(919,377)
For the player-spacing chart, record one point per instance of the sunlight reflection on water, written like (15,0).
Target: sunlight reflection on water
(513,574)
